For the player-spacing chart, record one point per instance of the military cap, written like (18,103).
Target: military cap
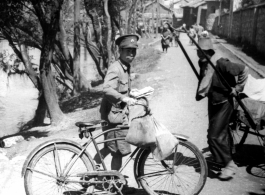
(127,41)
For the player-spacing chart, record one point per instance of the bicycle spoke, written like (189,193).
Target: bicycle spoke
(52,161)
(57,161)
(181,174)
(40,172)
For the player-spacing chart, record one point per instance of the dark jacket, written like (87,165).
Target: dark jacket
(229,70)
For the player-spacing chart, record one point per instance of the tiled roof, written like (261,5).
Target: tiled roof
(194,4)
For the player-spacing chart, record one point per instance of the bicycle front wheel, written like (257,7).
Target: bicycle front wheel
(184,172)
(45,173)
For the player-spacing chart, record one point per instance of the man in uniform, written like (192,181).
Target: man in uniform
(114,106)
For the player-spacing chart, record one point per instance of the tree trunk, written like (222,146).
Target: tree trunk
(93,51)
(63,44)
(48,41)
(31,73)
(106,9)
(92,13)
(131,11)
(41,110)
(77,71)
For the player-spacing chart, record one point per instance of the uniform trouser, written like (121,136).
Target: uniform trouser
(219,136)
(119,147)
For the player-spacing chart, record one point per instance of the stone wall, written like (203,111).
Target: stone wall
(260,33)
(236,26)
(224,21)
(248,27)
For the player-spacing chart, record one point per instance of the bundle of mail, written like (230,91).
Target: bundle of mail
(145,92)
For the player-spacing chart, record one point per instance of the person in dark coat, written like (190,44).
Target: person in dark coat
(166,36)
(114,105)
(221,106)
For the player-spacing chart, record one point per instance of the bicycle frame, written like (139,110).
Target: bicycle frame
(93,140)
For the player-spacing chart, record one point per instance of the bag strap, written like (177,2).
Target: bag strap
(146,108)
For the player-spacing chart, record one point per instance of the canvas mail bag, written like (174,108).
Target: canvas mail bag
(141,132)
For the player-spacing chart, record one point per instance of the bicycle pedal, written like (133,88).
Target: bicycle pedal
(100,193)
(98,167)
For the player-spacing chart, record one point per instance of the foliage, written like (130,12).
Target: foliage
(11,12)
(47,25)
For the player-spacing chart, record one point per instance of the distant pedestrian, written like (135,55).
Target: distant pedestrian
(166,37)
(200,29)
(192,34)
(176,35)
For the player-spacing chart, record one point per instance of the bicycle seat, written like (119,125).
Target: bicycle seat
(90,123)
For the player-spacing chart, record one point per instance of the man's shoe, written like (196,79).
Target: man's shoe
(228,172)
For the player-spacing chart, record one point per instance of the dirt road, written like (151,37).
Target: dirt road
(173,104)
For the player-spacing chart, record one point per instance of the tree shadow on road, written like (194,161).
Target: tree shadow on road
(85,100)
(214,168)
(250,156)
(28,135)
(253,193)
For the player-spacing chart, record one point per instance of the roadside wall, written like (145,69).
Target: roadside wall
(248,27)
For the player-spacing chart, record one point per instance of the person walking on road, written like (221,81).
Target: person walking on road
(221,105)
(166,37)
(176,35)
(200,29)
(192,33)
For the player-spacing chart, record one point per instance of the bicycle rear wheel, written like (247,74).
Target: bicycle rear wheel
(239,133)
(44,173)
(184,172)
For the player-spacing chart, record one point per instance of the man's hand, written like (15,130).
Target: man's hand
(129,101)
(233,92)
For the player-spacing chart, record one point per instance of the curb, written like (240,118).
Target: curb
(260,72)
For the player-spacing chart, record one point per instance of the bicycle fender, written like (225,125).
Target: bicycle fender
(51,142)
(135,166)
(181,136)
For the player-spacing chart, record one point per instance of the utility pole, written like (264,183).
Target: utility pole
(77,71)
(231,18)
(153,27)
(156,17)
(220,12)
(159,13)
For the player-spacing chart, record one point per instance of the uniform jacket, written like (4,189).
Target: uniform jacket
(116,86)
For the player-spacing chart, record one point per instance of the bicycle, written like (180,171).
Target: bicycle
(240,128)
(65,167)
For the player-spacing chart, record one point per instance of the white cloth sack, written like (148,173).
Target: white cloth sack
(255,88)
(165,142)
